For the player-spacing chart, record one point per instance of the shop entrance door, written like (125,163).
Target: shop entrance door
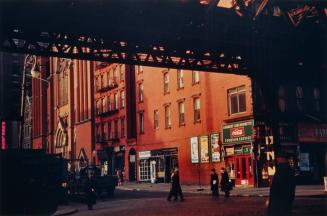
(244,170)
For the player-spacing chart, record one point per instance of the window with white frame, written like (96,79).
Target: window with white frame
(103,102)
(167,117)
(122,99)
(181,110)
(109,103)
(156,119)
(197,109)
(299,99)
(144,170)
(236,100)
(116,101)
(121,72)
(141,92)
(180,79)
(115,74)
(195,77)
(141,122)
(166,83)
(139,69)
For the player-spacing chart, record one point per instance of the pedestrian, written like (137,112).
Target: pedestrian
(90,191)
(214,183)
(282,190)
(175,189)
(225,184)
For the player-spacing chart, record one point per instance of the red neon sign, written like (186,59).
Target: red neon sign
(3,135)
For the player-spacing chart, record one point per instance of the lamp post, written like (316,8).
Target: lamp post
(29,61)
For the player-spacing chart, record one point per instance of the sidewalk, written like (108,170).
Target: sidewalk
(301,190)
(65,210)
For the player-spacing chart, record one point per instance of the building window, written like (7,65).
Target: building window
(116,101)
(109,131)
(139,69)
(116,129)
(156,119)
(282,99)
(316,98)
(63,88)
(103,102)
(98,107)
(108,78)
(141,122)
(122,99)
(180,79)
(103,133)
(96,83)
(144,170)
(101,82)
(98,136)
(166,83)
(122,127)
(195,77)
(121,72)
(299,99)
(236,100)
(167,117)
(109,103)
(197,109)
(141,92)
(181,111)
(115,74)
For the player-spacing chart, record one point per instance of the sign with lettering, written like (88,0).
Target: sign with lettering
(144,154)
(204,144)
(239,132)
(312,132)
(215,148)
(194,150)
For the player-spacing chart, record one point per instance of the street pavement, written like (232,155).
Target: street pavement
(151,199)
(147,203)
(301,190)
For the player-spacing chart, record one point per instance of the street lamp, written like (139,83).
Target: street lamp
(29,62)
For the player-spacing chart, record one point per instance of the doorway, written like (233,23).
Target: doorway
(243,170)
(131,167)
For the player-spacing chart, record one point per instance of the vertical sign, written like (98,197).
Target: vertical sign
(194,150)
(215,148)
(204,144)
(3,135)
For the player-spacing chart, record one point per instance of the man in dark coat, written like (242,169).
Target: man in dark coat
(224,182)
(214,183)
(89,189)
(175,189)
(282,190)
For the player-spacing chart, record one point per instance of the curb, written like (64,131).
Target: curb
(71,211)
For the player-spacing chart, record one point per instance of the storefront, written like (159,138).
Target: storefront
(238,152)
(156,165)
(312,153)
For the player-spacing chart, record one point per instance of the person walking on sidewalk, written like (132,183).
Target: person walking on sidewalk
(225,184)
(282,190)
(214,183)
(175,189)
(90,193)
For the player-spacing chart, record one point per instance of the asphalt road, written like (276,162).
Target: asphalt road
(155,203)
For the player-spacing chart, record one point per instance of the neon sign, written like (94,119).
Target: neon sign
(3,135)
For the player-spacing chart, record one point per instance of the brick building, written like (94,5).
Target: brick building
(180,119)
(62,108)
